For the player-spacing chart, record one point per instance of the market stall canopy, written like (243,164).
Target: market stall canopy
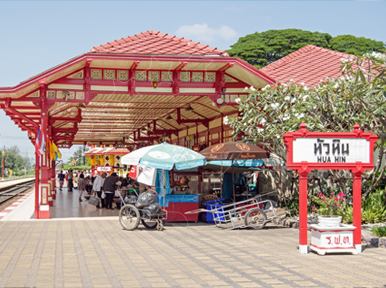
(164,156)
(132,90)
(234,151)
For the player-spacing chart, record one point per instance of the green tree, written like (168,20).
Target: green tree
(359,96)
(355,45)
(14,161)
(261,49)
(78,157)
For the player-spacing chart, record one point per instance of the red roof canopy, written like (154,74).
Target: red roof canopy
(308,65)
(153,42)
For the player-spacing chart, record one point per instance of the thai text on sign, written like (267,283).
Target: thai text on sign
(331,150)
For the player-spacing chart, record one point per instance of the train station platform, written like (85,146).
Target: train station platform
(96,252)
(66,205)
(10,183)
(77,249)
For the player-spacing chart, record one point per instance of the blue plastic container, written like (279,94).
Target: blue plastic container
(211,205)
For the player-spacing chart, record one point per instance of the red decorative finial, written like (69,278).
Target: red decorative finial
(356,126)
(302,126)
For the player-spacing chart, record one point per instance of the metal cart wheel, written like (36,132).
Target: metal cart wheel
(160,225)
(255,218)
(129,217)
(149,223)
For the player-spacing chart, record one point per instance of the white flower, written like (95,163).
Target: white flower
(237,100)
(274,105)
(264,88)
(226,120)
(336,85)
(260,130)
(344,60)
(300,116)
(284,84)
(306,88)
(305,97)
(302,83)
(293,100)
(287,98)
(262,121)
(252,88)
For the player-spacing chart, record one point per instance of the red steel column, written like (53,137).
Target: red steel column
(37,168)
(49,175)
(44,186)
(45,189)
(357,207)
(303,241)
(53,180)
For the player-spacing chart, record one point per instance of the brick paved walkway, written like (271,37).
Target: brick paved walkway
(98,253)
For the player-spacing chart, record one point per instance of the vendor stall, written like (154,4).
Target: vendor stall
(112,157)
(95,158)
(156,162)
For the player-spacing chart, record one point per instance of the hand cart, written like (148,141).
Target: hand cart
(248,213)
(130,215)
(252,212)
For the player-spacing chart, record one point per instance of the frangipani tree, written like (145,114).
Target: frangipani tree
(358,96)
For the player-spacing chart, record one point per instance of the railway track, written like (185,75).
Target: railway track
(8,193)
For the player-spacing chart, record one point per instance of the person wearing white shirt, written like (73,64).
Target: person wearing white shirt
(97,186)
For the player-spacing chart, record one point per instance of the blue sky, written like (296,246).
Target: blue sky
(36,36)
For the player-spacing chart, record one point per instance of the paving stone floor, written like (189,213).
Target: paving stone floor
(98,253)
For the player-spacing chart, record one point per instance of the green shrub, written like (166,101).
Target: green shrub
(379,231)
(374,208)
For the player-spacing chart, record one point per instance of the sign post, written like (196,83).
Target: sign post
(308,151)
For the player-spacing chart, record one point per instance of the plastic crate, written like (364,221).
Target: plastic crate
(211,205)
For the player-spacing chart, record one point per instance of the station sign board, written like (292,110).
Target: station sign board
(329,150)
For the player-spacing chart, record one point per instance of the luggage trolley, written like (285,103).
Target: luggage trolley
(130,215)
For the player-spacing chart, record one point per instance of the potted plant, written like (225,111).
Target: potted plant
(328,207)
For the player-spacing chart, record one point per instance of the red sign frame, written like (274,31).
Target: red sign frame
(304,133)
(304,168)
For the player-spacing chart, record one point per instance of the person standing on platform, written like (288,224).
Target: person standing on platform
(61,177)
(81,186)
(97,186)
(70,183)
(109,189)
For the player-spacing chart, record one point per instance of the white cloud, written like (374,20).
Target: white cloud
(203,33)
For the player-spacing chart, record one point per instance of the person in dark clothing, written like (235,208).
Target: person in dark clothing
(109,189)
(70,183)
(61,177)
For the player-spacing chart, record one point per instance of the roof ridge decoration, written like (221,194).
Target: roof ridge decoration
(164,43)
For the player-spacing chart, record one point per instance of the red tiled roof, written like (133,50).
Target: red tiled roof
(153,42)
(118,151)
(308,65)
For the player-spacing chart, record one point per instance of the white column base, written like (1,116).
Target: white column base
(358,248)
(303,249)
